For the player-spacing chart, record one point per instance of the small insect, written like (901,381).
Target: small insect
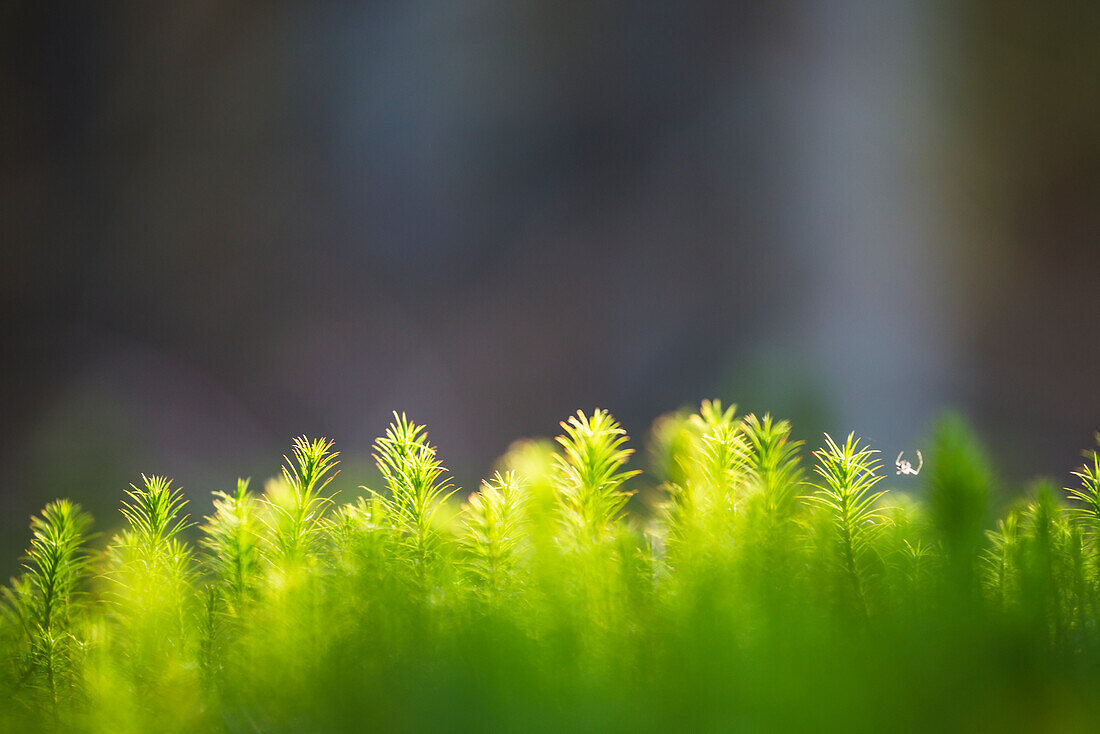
(906,467)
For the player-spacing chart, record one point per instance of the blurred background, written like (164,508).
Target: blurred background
(223,224)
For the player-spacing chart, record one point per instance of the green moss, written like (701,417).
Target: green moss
(759,596)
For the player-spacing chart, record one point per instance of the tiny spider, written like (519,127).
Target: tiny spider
(906,467)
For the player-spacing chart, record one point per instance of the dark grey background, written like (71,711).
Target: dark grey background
(227,223)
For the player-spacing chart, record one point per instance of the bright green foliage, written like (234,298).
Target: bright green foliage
(55,563)
(773,460)
(232,543)
(362,529)
(148,639)
(149,558)
(721,455)
(714,466)
(591,474)
(296,506)
(155,515)
(1089,492)
(1086,523)
(417,488)
(44,600)
(733,596)
(1002,558)
(846,491)
(493,524)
